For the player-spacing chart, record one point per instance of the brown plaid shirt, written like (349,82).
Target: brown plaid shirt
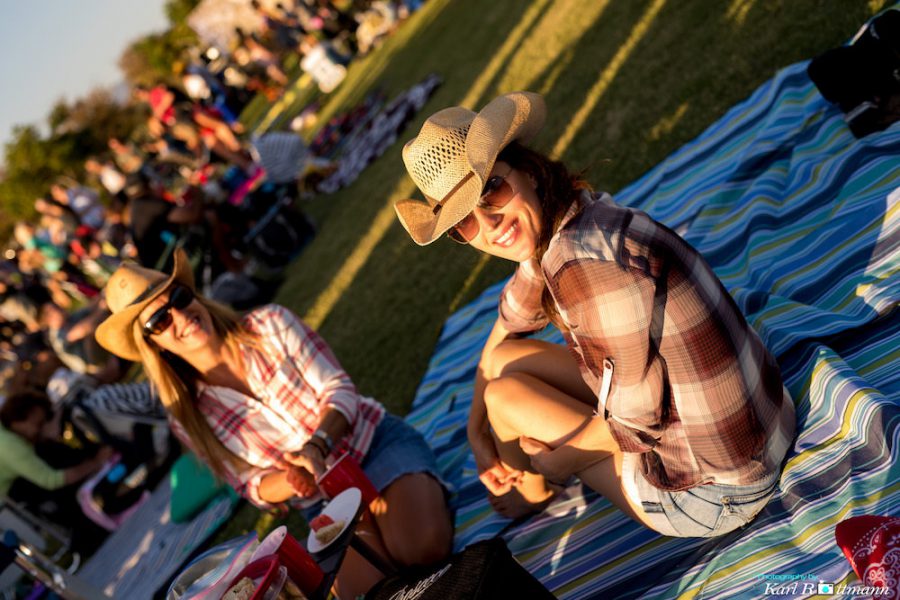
(691,388)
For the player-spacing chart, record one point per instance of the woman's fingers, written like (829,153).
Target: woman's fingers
(295,458)
(533,447)
(499,479)
(302,481)
(311,460)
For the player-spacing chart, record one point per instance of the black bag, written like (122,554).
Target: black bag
(483,570)
(863,79)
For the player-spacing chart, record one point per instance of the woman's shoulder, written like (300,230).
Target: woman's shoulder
(590,233)
(270,318)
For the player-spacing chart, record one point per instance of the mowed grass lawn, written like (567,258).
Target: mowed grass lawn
(626,83)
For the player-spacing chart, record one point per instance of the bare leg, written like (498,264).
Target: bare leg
(409,525)
(536,390)
(414,521)
(357,575)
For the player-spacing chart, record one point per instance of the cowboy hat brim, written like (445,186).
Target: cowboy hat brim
(517,116)
(118,332)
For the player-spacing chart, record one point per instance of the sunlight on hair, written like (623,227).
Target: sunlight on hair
(606,78)
(737,12)
(512,43)
(316,315)
(665,125)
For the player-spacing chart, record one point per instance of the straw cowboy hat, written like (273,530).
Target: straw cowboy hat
(128,292)
(451,158)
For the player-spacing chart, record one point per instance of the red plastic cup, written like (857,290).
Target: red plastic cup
(346,473)
(301,568)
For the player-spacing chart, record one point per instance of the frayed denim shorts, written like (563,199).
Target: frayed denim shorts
(397,450)
(708,510)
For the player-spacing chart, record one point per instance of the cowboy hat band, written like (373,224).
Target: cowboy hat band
(451,158)
(128,292)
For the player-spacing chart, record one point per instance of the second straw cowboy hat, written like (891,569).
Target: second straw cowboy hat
(451,158)
(128,292)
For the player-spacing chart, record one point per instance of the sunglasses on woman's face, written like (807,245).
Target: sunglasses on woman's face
(496,194)
(180,297)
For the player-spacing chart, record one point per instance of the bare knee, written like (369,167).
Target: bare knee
(502,356)
(500,394)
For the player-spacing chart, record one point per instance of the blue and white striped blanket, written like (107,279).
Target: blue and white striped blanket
(800,221)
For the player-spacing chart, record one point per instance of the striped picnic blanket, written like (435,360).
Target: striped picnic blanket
(800,221)
(145,553)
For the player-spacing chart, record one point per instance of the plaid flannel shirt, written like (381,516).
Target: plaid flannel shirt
(681,378)
(293,376)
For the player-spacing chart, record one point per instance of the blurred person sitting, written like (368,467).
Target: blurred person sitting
(154,222)
(83,201)
(126,156)
(181,116)
(71,336)
(43,474)
(110,177)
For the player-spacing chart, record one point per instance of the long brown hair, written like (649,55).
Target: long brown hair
(557,190)
(176,381)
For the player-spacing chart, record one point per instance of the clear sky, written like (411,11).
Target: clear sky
(51,49)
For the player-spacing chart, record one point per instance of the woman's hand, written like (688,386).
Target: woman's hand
(496,477)
(301,481)
(555,465)
(306,466)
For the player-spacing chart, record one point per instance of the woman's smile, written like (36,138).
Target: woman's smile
(509,236)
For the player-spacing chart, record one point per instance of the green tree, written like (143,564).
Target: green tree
(160,57)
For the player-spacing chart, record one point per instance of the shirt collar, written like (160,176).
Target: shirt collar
(587,198)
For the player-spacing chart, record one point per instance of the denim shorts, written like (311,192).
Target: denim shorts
(708,510)
(397,450)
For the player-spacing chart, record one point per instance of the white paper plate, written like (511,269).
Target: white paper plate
(342,508)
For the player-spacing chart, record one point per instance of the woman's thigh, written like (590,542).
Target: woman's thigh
(551,363)
(522,404)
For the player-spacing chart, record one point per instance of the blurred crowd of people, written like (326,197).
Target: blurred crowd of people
(192,177)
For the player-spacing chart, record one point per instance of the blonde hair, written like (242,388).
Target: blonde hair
(176,382)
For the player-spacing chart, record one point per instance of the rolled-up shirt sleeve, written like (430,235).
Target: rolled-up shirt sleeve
(520,309)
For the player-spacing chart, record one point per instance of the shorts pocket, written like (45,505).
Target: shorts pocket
(739,510)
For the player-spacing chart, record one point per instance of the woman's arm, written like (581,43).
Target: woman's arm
(495,477)
(307,464)
(317,366)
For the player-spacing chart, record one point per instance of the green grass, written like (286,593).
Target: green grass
(626,83)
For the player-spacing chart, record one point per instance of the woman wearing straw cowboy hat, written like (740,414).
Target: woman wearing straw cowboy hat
(264,401)
(666,401)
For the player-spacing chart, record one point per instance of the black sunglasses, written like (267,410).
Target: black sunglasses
(180,297)
(496,194)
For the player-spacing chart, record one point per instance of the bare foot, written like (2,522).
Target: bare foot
(513,505)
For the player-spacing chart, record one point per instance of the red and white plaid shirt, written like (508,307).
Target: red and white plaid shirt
(689,385)
(293,376)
